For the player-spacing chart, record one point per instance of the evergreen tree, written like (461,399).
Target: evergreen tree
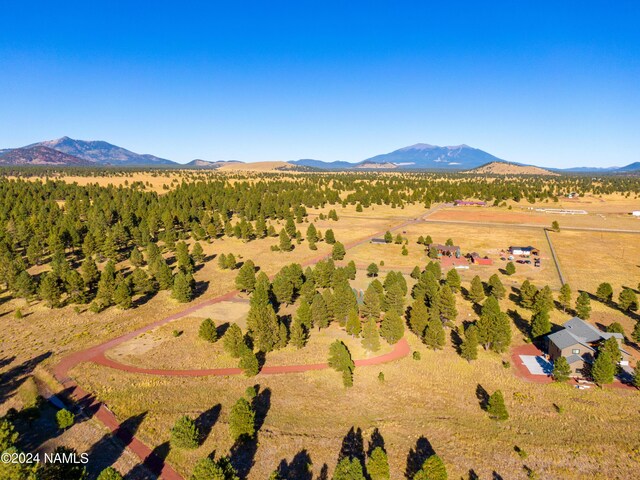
(494,329)
(469,346)
(453,280)
(262,321)
(123,295)
(372,270)
(388,237)
(136,258)
(246,278)
(163,274)
(90,273)
(433,468)
(394,298)
(312,234)
(543,301)
(232,263)
(319,313)
(197,253)
(109,473)
(338,251)
(583,306)
(329,237)
(208,331)
(446,305)
(142,283)
(540,324)
(378,465)
(242,420)
(50,291)
(303,315)
(604,292)
(528,293)
(603,368)
(611,346)
(8,434)
(285,242)
(65,419)
(299,333)
(476,292)
(354,326)
(628,300)
(233,341)
(340,360)
(182,288)
(348,469)
(392,327)
(636,332)
(565,297)
(496,407)
(510,268)
(415,273)
(24,285)
(418,317)
(561,369)
(434,333)
(185,434)
(370,336)
(249,362)
(496,288)
(207,469)
(636,376)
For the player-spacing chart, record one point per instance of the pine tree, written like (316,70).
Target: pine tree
(262,321)
(418,317)
(378,465)
(109,473)
(605,292)
(207,469)
(392,327)
(142,283)
(610,345)
(312,234)
(8,434)
(561,369)
(185,434)
(636,376)
(469,346)
(446,304)
(50,291)
(434,336)
(249,362)
(528,293)
(494,329)
(394,298)
(136,258)
(340,360)
(163,274)
(233,341)
(329,237)
(603,368)
(182,288)
(476,292)
(285,242)
(496,288)
(636,332)
(372,270)
(453,280)
(319,313)
(303,315)
(123,295)
(208,330)
(242,420)
(338,251)
(348,469)
(496,407)
(628,300)
(299,333)
(354,326)
(583,306)
(370,336)
(388,237)
(543,301)
(24,285)
(433,468)
(246,278)
(90,273)
(232,263)
(197,253)
(510,269)
(565,297)
(540,324)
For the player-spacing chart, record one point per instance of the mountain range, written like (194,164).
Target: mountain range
(66,151)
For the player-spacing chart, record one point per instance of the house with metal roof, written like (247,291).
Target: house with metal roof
(578,342)
(524,251)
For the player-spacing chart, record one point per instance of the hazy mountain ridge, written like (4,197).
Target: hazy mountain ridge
(40,155)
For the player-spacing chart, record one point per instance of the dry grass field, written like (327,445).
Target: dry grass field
(430,400)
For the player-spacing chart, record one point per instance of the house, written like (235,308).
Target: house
(445,250)
(454,262)
(524,251)
(578,342)
(378,241)
(476,259)
(469,203)
(636,213)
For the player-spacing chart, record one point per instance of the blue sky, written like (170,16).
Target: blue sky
(550,83)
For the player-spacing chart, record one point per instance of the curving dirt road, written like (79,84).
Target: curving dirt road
(96,354)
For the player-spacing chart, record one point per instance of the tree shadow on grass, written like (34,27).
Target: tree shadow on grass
(417,456)
(206,420)
(376,441)
(352,446)
(520,323)
(11,380)
(298,469)
(483,396)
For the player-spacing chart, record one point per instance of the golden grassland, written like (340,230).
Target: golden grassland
(596,436)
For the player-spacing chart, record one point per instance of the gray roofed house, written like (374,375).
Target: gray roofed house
(578,342)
